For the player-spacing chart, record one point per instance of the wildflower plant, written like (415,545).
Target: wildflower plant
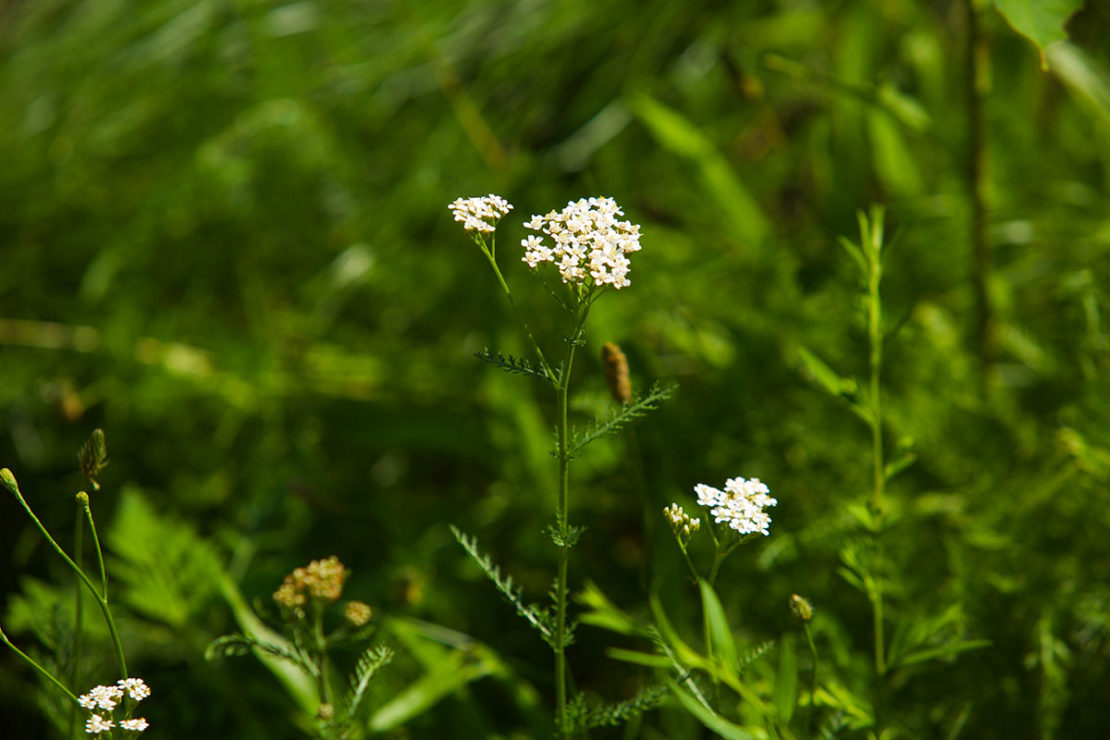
(303,600)
(102,700)
(588,244)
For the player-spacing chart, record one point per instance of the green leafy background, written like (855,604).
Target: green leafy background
(224,239)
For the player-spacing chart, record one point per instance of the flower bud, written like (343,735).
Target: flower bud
(357,613)
(801,608)
(9,480)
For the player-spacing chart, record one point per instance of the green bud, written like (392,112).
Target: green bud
(82,499)
(801,608)
(9,480)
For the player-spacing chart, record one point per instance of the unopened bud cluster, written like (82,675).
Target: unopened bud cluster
(320,580)
(681,523)
(801,608)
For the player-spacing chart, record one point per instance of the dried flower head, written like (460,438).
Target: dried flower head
(590,242)
(616,372)
(681,522)
(321,580)
(480,214)
(357,613)
(741,504)
(93,457)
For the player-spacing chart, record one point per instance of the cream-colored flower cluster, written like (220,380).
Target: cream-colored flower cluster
(741,504)
(480,214)
(103,700)
(590,242)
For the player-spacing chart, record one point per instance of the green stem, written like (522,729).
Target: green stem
(96,544)
(562,506)
(490,256)
(42,671)
(78,616)
(978,86)
(812,677)
(872,238)
(100,601)
(321,650)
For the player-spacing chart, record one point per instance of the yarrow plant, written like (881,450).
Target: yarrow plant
(303,600)
(589,244)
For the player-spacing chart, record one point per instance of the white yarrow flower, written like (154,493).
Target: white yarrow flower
(480,214)
(590,242)
(136,688)
(741,505)
(97,724)
(105,697)
(134,725)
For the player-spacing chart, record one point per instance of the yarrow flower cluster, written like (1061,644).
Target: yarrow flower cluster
(480,214)
(741,504)
(590,242)
(105,699)
(321,580)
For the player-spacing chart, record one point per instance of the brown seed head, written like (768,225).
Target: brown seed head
(616,372)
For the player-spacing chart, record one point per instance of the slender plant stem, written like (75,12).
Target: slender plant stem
(321,650)
(42,671)
(812,678)
(78,616)
(872,247)
(978,85)
(100,601)
(84,500)
(490,256)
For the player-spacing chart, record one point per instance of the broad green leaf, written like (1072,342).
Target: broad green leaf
(681,136)
(720,636)
(635,656)
(709,718)
(1040,21)
(786,680)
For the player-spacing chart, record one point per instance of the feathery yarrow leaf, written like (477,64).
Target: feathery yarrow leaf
(535,616)
(367,667)
(512,364)
(622,416)
(611,715)
(229,646)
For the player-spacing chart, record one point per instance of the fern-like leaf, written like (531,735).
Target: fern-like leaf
(368,665)
(619,418)
(611,715)
(535,616)
(755,653)
(229,646)
(512,364)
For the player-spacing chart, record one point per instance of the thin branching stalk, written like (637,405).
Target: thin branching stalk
(78,616)
(42,671)
(83,499)
(101,601)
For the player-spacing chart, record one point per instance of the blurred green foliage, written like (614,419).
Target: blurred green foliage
(224,239)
